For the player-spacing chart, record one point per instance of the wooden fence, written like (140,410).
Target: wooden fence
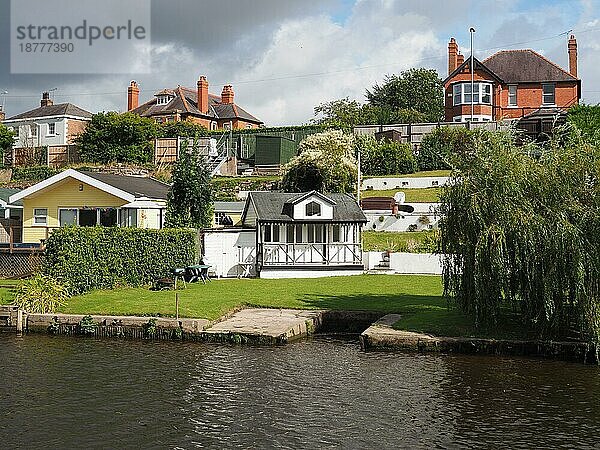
(413,132)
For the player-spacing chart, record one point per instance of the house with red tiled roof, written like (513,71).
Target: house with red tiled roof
(510,84)
(194,105)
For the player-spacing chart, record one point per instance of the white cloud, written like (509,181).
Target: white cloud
(373,41)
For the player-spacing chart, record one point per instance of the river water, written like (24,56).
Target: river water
(60,392)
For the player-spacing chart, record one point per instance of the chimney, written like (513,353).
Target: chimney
(573,56)
(452,56)
(202,95)
(133,96)
(227,95)
(460,58)
(46,100)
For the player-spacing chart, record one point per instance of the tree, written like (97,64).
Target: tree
(586,118)
(385,157)
(190,198)
(346,114)
(325,163)
(520,231)
(113,137)
(182,128)
(417,90)
(438,147)
(7,138)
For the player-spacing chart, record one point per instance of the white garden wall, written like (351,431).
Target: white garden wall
(386,183)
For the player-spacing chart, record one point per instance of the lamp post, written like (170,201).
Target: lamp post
(3,94)
(472,32)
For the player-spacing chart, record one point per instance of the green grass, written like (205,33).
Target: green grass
(439,320)
(412,242)
(7,291)
(384,293)
(424,195)
(425,173)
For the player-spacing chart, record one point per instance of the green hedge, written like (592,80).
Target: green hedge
(33,173)
(227,188)
(88,258)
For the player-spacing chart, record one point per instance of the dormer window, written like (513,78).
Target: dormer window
(313,209)
(163,99)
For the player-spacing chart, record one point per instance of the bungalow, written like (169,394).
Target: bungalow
(89,199)
(287,235)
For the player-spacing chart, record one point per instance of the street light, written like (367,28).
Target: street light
(472,32)
(3,94)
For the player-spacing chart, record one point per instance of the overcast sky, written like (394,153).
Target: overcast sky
(283,57)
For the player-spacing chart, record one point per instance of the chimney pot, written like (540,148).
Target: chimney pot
(133,95)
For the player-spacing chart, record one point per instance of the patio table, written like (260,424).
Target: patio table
(198,272)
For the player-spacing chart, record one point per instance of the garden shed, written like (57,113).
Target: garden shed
(274,151)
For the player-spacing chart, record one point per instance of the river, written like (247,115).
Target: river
(60,392)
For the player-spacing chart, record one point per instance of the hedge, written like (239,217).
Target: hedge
(33,173)
(87,258)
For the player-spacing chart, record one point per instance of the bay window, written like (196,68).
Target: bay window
(482,93)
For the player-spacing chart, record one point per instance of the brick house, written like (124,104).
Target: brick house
(510,84)
(195,105)
(47,134)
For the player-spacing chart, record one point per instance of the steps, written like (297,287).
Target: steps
(384,264)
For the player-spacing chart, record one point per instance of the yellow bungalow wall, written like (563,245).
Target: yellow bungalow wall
(64,195)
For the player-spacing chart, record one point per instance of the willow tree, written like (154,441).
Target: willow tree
(521,229)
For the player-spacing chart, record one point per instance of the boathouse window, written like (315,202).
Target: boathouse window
(313,209)
(336,233)
(299,233)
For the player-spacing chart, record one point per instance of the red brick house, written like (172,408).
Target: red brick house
(510,84)
(195,105)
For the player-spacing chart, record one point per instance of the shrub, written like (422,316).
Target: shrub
(325,163)
(86,326)
(385,157)
(437,146)
(123,138)
(104,257)
(33,173)
(40,294)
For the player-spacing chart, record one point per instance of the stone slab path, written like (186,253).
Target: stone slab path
(275,325)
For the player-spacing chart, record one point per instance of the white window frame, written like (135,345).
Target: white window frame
(53,131)
(38,214)
(33,127)
(553,86)
(163,99)
(462,92)
(513,97)
(312,213)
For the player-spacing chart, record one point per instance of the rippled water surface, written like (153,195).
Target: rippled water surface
(323,392)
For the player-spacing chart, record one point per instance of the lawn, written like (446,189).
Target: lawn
(7,291)
(441,321)
(385,293)
(411,242)
(423,195)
